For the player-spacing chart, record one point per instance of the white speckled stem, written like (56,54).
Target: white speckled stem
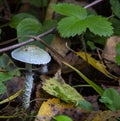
(28,86)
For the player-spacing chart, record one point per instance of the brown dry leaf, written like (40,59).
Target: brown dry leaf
(59,45)
(73,60)
(109,53)
(104,116)
(54,107)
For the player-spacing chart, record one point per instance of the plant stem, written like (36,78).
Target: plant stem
(84,47)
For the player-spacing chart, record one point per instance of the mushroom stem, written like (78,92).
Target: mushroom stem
(44,69)
(28,86)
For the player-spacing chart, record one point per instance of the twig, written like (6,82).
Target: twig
(93,3)
(27,41)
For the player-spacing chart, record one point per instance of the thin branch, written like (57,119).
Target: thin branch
(93,3)
(27,41)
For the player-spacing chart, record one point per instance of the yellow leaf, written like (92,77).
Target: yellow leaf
(53,107)
(95,63)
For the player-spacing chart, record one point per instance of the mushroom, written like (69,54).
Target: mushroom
(30,54)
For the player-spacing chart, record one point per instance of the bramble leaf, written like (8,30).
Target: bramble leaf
(71,10)
(99,25)
(71,26)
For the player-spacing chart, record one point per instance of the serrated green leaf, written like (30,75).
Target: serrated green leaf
(99,25)
(28,27)
(115,6)
(62,118)
(111,98)
(71,10)
(19,17)
(71,26)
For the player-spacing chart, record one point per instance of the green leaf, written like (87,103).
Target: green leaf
(8,71)
(48,24)
(39,3)
(117,58)
(116,26)
(99,25)
(111,99)
(92,45)
(16,19)
(118,48)
(8,65)
(71,10)
(115,6)
(66,93)
(62,118)
(71,26)
(5,76)
(28,27)
(2,88)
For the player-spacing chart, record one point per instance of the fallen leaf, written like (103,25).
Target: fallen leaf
(109,54)
(96,64)
(53,107)
(104,115)
(57,87)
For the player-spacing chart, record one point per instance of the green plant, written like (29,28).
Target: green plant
(7,71)
(115,6)
(118,53)
(62,118)
(77,21)
(28,25)
(110,97)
